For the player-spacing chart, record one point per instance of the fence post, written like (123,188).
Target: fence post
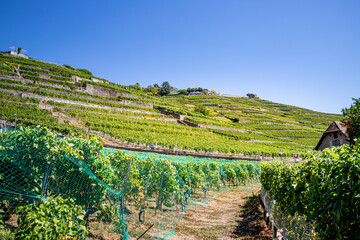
(270,223)
(160,186)
(274,232)
(124,189)
(264,214)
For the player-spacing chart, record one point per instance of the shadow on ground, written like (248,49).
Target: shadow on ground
(250,223)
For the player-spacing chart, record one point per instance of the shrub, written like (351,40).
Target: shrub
(352,120)
(85,71)
(69,67)
(202,109)
(54,218)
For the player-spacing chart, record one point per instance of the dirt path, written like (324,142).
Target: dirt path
(235,214)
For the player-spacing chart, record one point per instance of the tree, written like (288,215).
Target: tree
(352,120)
(85,71)
(202,109)
(135,86)
(183,92)
(153,89)
(19,50)
(165,89)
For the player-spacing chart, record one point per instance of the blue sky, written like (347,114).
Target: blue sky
(302,53)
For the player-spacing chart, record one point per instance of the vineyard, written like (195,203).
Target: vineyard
(52,187)
(47,94)
(322,192)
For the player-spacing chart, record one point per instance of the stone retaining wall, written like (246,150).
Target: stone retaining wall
(65,118)
(190,124)
(221,128)
(175,115)
(45,98)
(10,77)
(105,92)
(124,102)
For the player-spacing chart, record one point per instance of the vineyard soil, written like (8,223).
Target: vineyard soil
(233,215)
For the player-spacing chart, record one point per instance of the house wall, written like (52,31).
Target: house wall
(329,138)
(16,54)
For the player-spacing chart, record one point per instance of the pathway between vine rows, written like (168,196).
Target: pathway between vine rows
(235,214)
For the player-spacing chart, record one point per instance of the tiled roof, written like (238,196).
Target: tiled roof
(336,126)
(341,126)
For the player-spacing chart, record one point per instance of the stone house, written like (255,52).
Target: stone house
(335,135)
(12,53)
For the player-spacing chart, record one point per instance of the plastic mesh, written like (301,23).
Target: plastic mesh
(291,227)
(123,195)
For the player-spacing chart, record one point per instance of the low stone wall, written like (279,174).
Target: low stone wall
(175,115)
(45,98)
(190,124)
(97,80)
(105,92)
(221,128)
(124,102)
(44,75)
(10,77)
(229,95)
(137,104)
(49,84)
(66,118)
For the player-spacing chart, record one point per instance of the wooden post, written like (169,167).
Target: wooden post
(264,214)
(274,232)
(270,224)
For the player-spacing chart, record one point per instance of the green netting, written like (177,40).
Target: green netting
(3,129)
(291,227)
(122,194)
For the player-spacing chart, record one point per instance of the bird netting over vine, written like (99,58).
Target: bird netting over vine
(121,195)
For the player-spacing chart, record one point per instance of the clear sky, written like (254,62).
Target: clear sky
(302,53)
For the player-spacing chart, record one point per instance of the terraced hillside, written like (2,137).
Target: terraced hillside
(74,102)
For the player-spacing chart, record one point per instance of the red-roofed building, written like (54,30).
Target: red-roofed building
(335,135)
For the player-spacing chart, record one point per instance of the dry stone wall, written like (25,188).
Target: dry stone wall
(10,77)
(105,92)
(49,84)
(175,115)
(124,102)
(221,128)
(59,100)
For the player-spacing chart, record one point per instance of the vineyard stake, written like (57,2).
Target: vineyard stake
(274,231)
(158,200)
(123,192)
(142,210)
(145,232)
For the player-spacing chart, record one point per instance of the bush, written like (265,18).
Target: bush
(54,218)
(202,109)
(235,120)
(324,188)
(87,72)
(352,120)
(69,67)
(183,92)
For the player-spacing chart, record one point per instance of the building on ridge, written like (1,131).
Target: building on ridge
(12,53)
(335,135)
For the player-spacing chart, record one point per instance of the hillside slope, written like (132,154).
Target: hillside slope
(73,102)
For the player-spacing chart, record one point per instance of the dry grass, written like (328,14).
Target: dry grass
(227,217)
